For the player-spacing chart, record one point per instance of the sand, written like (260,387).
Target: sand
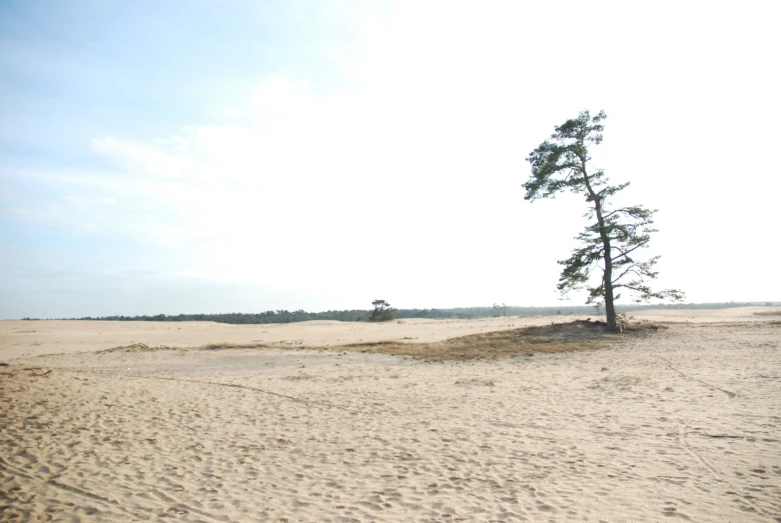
(684,423)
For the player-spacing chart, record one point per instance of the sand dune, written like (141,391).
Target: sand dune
(683,423)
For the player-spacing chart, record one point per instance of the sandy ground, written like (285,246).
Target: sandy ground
(684,423)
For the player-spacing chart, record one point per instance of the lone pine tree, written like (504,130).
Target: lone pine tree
(382,311)
(613,236)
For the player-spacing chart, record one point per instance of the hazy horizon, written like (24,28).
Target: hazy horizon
(252,156)
(511,310)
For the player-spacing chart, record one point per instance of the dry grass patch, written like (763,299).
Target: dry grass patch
(590,330)
(300,377)
(138,347)
(490,345)
(526,341)
(475,382)
(143,347)
(222,346)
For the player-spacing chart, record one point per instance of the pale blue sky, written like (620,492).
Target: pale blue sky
(214,156)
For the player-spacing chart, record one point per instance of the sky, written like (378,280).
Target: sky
(242,156)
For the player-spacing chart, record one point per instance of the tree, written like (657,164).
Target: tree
(499,310)
(382,311)
(613,236)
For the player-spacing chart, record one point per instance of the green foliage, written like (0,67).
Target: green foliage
(611,239)
(382,311)
(557,163)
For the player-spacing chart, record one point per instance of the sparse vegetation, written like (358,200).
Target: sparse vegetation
(382,311)
(282,316)
(496,344)
(527,341)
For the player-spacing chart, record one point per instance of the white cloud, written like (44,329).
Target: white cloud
(356,185)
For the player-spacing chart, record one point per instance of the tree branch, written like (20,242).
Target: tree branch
(629,269)
(624,253)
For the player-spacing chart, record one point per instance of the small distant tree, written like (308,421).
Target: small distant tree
(613,236)
(499,310)
(382,311)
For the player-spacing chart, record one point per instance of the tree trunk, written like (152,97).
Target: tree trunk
(610,309)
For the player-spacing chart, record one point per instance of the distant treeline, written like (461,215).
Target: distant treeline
(283,316)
